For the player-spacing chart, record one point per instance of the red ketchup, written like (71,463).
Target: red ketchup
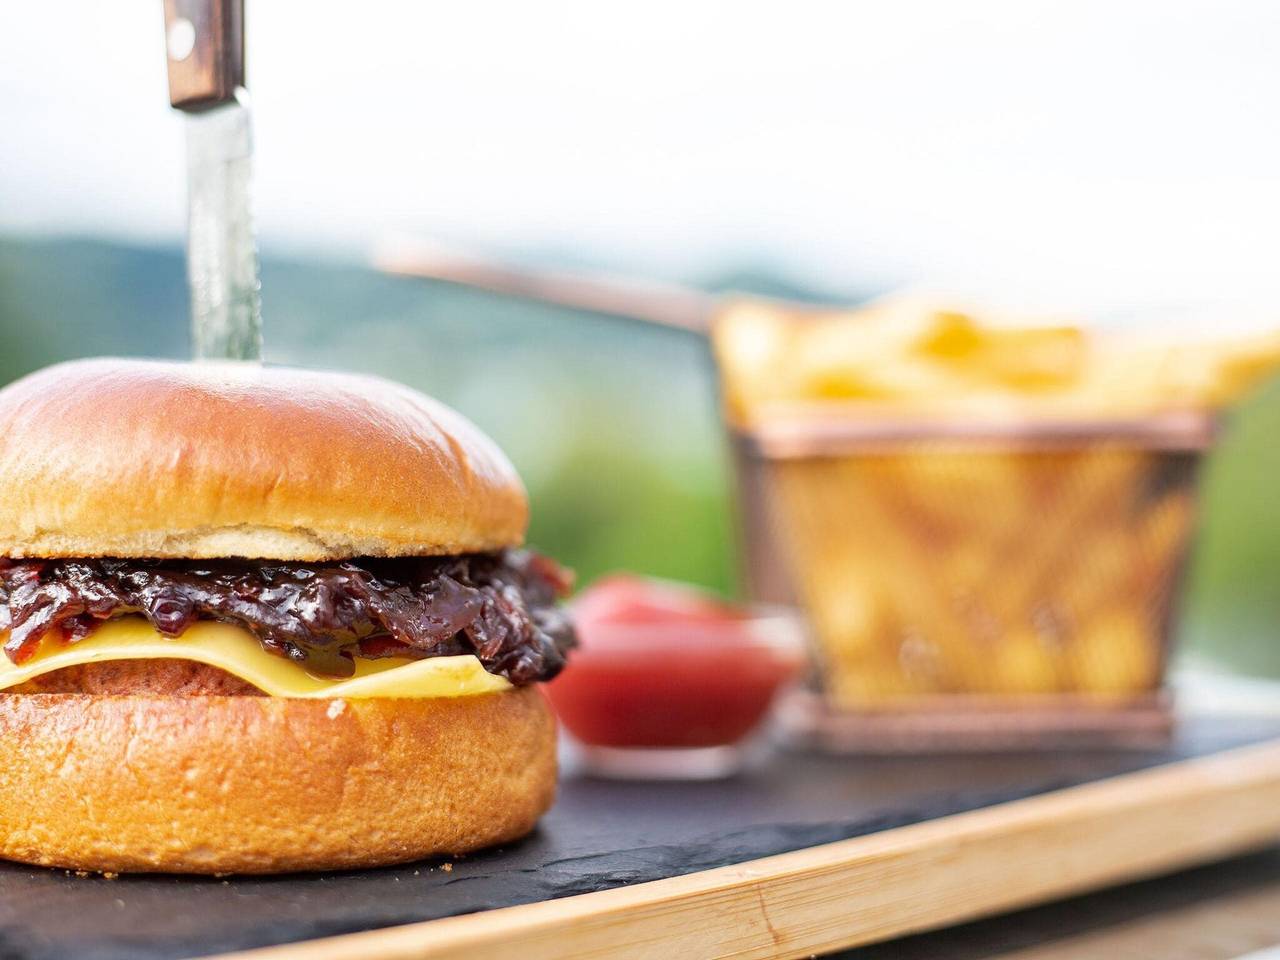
(665,666)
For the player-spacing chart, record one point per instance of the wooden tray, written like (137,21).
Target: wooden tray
(814,854)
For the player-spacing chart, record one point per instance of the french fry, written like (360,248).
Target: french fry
(1105,477)
(1102,566)
(1024,663)
(1113,653)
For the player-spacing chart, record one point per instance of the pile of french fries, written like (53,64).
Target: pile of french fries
(938,568)
(945,572)
(909,356)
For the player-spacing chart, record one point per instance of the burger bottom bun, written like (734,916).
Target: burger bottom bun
(235,784)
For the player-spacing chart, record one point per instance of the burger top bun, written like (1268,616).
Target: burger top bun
(130,458)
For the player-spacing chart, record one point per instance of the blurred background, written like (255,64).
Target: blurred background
(1121,160)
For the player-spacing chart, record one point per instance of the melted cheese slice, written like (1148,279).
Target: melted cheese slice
(238,652)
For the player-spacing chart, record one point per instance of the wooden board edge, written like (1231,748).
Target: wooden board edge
(876,887)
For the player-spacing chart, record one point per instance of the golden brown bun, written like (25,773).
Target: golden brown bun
(265,784)
(131,458)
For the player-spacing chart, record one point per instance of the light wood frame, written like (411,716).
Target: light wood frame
(876,887)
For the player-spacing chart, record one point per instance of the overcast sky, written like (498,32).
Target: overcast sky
(1120,150)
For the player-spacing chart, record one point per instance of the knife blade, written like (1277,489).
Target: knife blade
(206,82)
(222,253)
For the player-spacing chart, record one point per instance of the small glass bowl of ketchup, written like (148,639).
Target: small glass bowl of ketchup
(669,682)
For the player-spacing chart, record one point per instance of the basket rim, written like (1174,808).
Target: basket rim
(817,436)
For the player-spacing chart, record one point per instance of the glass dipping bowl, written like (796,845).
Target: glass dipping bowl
(675,697)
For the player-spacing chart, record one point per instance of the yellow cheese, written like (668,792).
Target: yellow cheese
(238,652)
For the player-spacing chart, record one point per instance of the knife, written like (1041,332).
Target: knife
(205,43)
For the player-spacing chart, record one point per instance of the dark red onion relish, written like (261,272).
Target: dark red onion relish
(501,607)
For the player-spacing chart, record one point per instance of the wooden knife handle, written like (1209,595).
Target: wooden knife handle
(205,43)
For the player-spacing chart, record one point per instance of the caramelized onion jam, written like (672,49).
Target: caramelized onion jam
(500,607)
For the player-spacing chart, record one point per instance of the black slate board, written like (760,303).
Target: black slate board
(599,835)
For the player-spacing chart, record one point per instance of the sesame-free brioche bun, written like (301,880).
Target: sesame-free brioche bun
(214,784)
(129,458)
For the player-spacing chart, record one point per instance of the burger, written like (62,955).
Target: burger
(259,620)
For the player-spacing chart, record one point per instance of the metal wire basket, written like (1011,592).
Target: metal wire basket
(976,586)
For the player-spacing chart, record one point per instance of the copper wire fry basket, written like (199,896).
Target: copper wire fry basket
(973,587)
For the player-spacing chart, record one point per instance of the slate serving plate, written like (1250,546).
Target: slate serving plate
(600,835)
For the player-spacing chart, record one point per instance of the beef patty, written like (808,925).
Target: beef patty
(181,678)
